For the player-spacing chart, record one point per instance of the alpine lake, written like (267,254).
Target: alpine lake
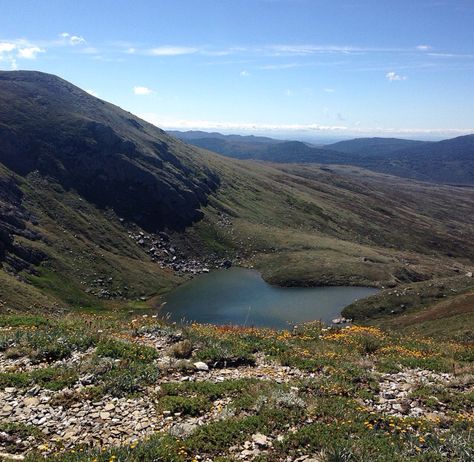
(239,296)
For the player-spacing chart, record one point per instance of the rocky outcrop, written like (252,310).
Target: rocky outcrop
(13,219)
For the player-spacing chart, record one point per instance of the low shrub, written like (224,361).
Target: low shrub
(182,350)
(128,378)
(118,349)
(192,406)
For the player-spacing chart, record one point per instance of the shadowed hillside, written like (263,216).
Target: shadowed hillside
(109,156)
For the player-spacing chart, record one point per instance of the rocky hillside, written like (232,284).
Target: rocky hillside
(89,388)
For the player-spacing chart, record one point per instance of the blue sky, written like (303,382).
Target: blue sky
(293,68)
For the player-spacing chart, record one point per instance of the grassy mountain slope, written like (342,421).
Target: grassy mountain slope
(312,226)
(67,244)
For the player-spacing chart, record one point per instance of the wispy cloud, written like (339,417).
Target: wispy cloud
(356,129)
(244,73)
(329,90)
(394,77)
(168,123)
(142,91)
(423,47)
(310,49)
(171,51)
(274,67)
(452,55)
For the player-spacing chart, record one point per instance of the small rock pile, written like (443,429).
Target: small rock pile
(395,389)
(162,251)
(105,422)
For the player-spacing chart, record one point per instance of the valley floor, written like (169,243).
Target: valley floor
(84,388)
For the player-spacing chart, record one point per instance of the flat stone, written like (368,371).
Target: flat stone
(200,366)
(109,407)
(31,401)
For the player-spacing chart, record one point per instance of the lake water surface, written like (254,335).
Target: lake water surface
(240,296)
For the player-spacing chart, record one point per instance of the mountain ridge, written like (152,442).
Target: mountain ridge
(449,161)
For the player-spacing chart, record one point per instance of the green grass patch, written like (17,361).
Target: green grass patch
(51,378)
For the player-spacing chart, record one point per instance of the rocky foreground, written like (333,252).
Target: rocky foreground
(101,389)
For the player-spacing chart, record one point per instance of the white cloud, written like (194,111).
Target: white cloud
(423,47)
(93,93)
(329,90)
(244,73)
(29,52)
(172,51)
(393,77)
(6,54)
(7,47)
(289,93)
(77,40)
(73,39)
(142,91)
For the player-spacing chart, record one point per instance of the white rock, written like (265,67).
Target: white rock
(260,440)
(200,366)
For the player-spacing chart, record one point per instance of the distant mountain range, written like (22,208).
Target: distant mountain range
(449,161)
